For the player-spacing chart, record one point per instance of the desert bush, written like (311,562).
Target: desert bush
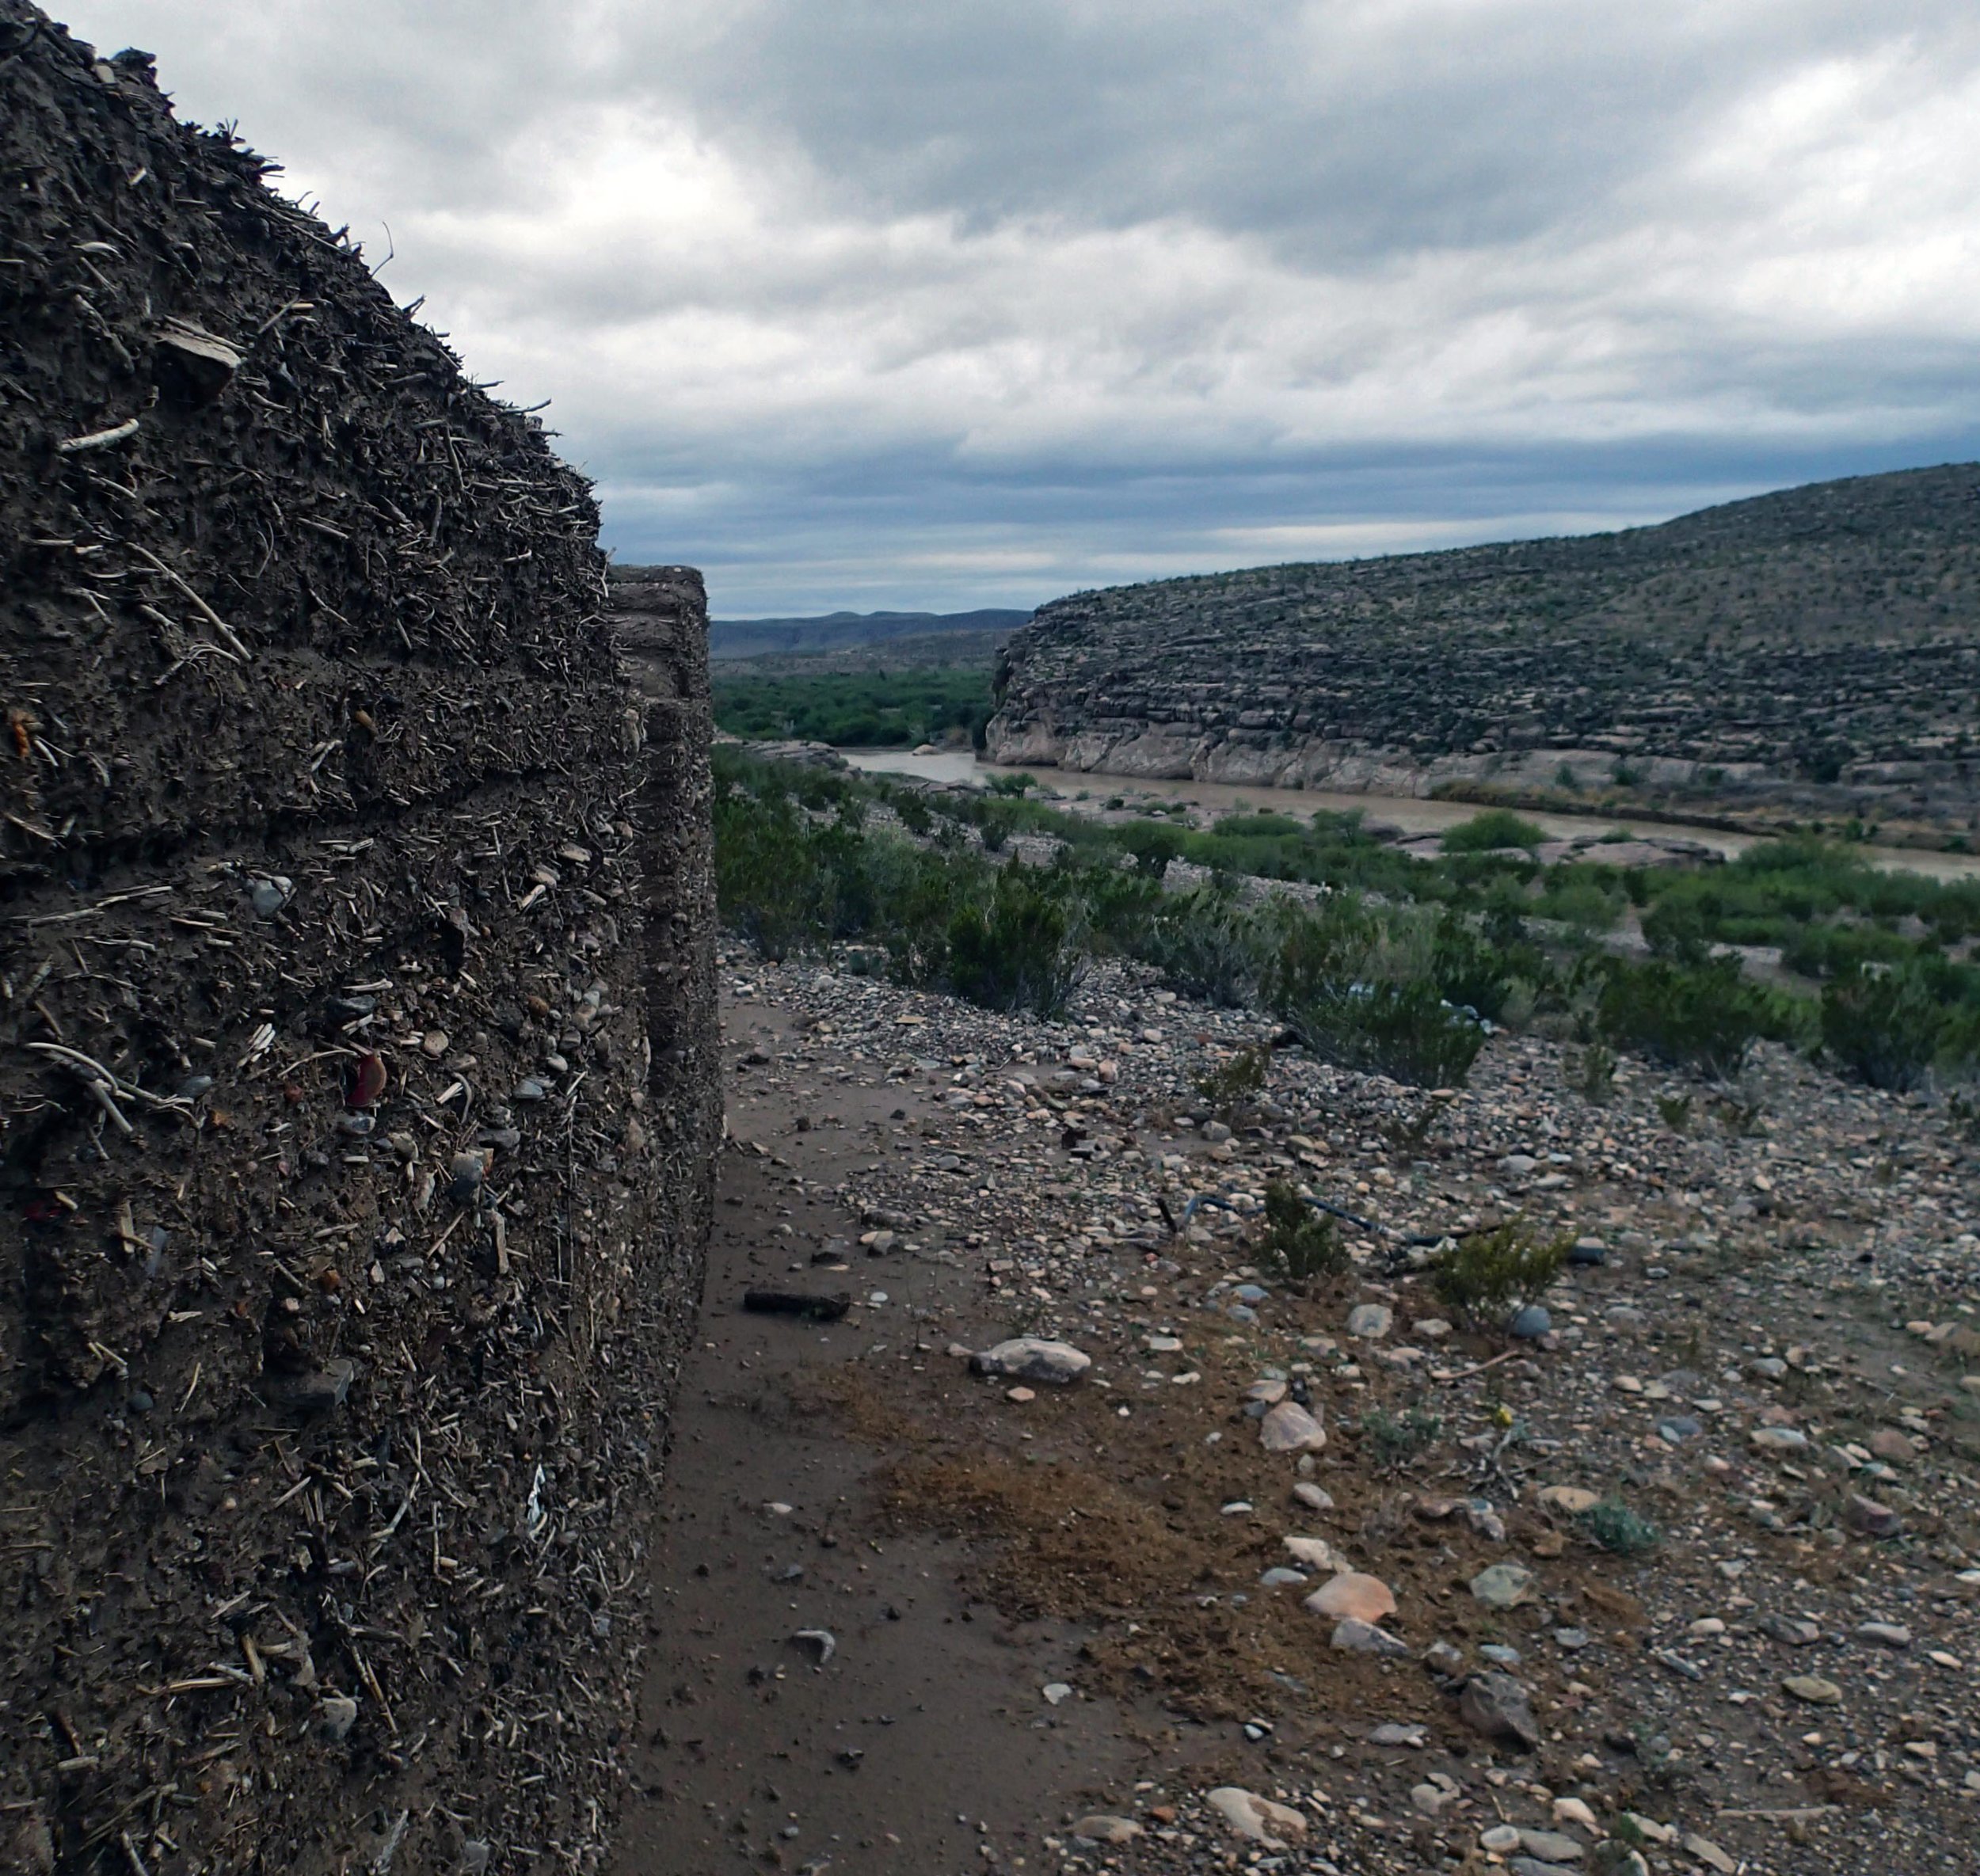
(1490,1275)
(1496,827)
(1676,929)
(1359,988)
(1153,844)
(914,898)
(1614,1526)
(1406,1031)
(768,883)
(1593,1073)
(1834,951)
(1704,1016)
(1884,1026)
(1115,906)
(915,813)
(1232,1086)
(1299,1244)
(1013,953)
(1473,971)
(1588,898)
(1739,1114)
(1335,943)
(1205,944)
(1394,1439)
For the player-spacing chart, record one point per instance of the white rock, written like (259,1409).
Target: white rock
(1289,1428)
(1259,1818)
(1027,1358)
(1573,1499)
(1317,1552)
(1369,1320)
(1571,1810)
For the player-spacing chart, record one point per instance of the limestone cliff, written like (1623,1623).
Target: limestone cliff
(1807,655)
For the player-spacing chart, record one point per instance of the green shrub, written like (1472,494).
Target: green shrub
(1474,972)
(1490,1275)
(913,897)
(1205,944)
(1594,1074)
(915,815)
(1360,989)
(1615,1528)
(1406,1031)
(1014,954)
(1676,929)
(1496,827)
(1885,1026)
(1676,1110)
(1834,950)
(1153,845)
(1233,1086)
(1704,1016)
(1589,898)
(1336,942)
(1394,1439)
(1299,1245)
(768,883)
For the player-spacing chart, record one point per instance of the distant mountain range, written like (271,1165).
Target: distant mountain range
(835,631)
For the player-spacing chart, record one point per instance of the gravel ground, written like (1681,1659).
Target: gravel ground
(1767,1353)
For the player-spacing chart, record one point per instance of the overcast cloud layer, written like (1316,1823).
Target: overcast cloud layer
(884,302)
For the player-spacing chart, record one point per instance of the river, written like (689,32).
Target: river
(1412,814)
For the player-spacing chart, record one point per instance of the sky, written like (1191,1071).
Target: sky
(935,303)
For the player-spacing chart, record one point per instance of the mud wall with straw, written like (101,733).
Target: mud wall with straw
(357,1071)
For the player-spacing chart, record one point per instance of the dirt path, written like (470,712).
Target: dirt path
(925,1742)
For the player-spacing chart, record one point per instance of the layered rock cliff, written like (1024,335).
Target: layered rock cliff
(358,1085)
(1807,655)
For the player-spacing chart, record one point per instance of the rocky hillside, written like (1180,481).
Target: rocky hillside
(351,1238)
(1812,655)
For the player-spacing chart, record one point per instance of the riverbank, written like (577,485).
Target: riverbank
(1412,814)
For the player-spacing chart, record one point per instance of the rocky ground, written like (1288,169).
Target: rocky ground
(1310,1580)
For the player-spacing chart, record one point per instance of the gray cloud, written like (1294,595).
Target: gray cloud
(882,303)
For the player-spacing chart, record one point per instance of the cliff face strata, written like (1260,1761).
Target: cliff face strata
(1815,652)
(358,1085)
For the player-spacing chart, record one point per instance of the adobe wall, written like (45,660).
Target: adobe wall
(358,1095)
